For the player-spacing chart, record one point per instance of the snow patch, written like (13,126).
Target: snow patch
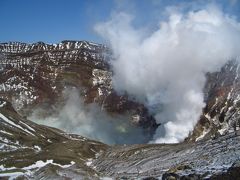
(89,162)
(37,148)
(13,124)
(2,104)
(27,126)
(4,132)
(40,164)
(12,175)
(205,131)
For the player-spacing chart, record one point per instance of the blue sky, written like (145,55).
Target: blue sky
(55,20)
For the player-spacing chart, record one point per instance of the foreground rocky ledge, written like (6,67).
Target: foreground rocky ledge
(209,159)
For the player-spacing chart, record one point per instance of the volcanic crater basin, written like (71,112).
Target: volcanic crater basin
(32,151)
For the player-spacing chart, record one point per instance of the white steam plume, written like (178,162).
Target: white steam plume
(166,69)
(90,121)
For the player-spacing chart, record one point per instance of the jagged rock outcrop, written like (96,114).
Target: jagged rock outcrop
(221,114)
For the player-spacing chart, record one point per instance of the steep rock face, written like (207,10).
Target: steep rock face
(35,75)
(221,114)
(40,71)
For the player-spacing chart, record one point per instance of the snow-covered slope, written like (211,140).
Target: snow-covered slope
(34,151)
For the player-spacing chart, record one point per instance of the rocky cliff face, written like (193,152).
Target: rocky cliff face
(222,97)
(36,73)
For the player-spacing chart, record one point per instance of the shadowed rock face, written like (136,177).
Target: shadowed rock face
(35,75)
(221,114)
